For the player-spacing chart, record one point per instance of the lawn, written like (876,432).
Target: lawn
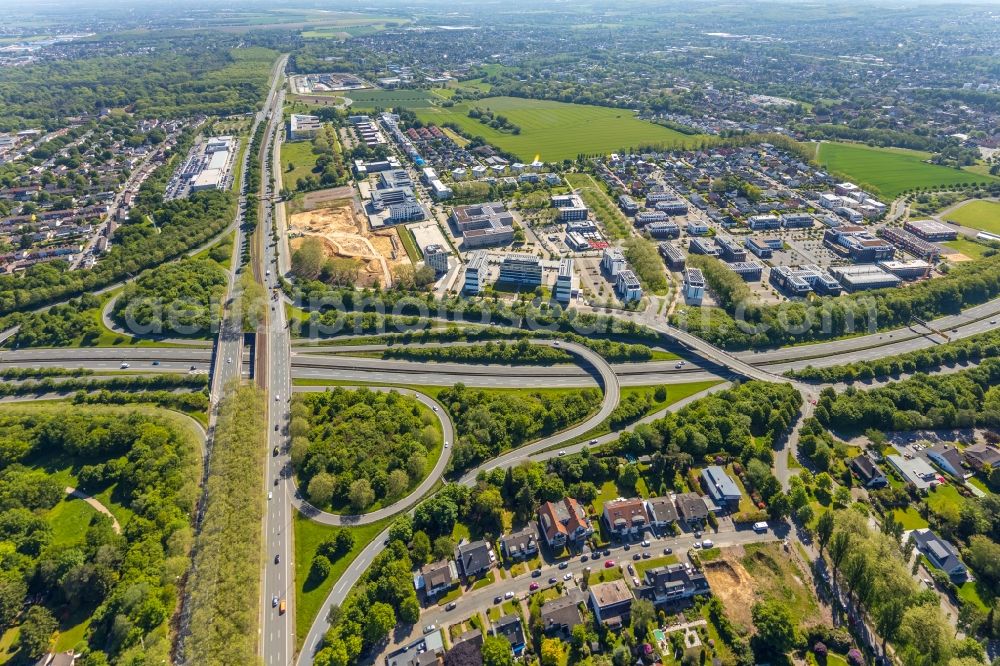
(981,215)
(411,99)
(974,592)
(890,170)
(642,566)
(945,500)
(554,131)
(910,518)
(69,520)
(969,248)
(409,244)
(299,154)
(600,574)
(606,211)
(308,536)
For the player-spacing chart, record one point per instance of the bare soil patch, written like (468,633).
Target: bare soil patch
(734,586)
(331,216)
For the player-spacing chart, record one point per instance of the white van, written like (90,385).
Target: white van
(760,527)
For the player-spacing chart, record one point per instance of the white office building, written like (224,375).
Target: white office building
(475,273)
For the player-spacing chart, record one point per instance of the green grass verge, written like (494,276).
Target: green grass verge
(409,244)
(891,171)
(969,248)
(981,215)
(299,155)
(308,536)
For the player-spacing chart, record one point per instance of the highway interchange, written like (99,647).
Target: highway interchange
(280,361)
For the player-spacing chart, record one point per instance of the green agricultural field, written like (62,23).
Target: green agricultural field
(981,215)
(411,99)
(889,170)
(554,131)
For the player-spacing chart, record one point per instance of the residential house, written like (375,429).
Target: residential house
(474,558)
(914,470)
(720,486)
(436,577)
(673,583)
(67,658)
(981,456)
(510,627)
(939,552)
(522,544)
(626,517)
(559,616)
(564,521)
(950,459)
(692,509)
(611,603)
(662,512)
(868,473)
(424,651)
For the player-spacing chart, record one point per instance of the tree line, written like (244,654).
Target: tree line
(223,593)
(55,384)
(957,400)
(973,348)
(521,352)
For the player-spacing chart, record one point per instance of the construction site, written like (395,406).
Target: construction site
(336,217)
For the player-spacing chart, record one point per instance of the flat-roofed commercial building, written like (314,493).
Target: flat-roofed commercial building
(475,273)
(485,224)
(694,286)
(748,270)
(565,282)
(571,207)
(672,257)
(931,230)
(863,277)
(521,268)
(911,243)
(302,126)
(628,286)
(436,256)
(908,270)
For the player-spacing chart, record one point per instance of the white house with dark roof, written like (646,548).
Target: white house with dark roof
(949,458)
(939,552)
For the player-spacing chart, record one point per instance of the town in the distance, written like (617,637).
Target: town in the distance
(599,333)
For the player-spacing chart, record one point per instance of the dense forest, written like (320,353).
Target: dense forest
(958,400)
(125,582)
(760,325)
(179,298)
(350,447)
(489,422)
(166,76)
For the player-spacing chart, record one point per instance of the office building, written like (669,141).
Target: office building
(672,207)
(703,246)
(697,228)
(613,261)
(565,282)
(481,225)
(797,221)
(475,273)
(521,269)
(759,248)
(801,281)
(436,256)
(911,243)
(571,207)
(931,230)
(663,230)
(628,286)
(908,270)
(647,217)
(395,205)
(628,205)
(857,244)
(864,277)
(748,270)
(762,222)
(440,191)
(672,257)
(694,286)
(301,126)
(729,249)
